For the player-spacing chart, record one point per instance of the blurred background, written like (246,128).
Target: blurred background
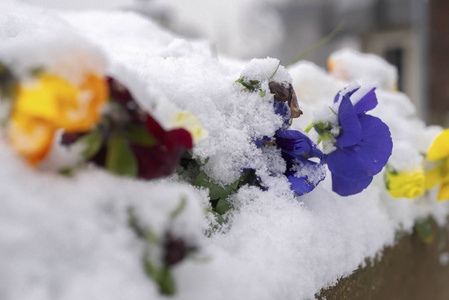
(413,35)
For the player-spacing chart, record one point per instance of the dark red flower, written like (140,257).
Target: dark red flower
(157,152)
(164,157)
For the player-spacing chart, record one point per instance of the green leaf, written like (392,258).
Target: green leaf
(219,218)
(120,159)
(424,229)
(92,142)
(251,85)
(166,282)
(247,85)
(216,191)
(311,125)
(222,206)
(66,172)
(139,135)
(262,93)
(250,178)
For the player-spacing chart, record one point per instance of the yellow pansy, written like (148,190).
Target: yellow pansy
(439,175)
(185,119)
(49,103)
(408,184)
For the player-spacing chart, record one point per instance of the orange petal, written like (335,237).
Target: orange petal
(31,138)
(86,110)
(330,64)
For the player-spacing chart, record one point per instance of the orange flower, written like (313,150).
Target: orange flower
(49,103)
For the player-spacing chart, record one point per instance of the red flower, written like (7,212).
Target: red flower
(163,158)
(152,151)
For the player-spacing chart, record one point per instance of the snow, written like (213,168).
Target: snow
(239,28)
(69,238)
(351,65)
(32,40)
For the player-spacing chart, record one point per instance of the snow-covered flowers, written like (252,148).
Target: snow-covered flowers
(408,184)
(304,167)
(47,103)
(298,150)
(439,175)
(362,143)
(129,141)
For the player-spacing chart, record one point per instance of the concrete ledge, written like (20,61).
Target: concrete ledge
(410,270)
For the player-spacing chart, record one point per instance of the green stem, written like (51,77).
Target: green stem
(319,44)
(275,71)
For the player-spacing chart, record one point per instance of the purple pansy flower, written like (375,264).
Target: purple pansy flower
(363,145)
(297,149)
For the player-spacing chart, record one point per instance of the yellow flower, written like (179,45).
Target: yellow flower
(185,119)
(408,184)
(439,175)
(49,103)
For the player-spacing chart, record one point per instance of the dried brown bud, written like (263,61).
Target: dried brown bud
(282,93)
(293,103)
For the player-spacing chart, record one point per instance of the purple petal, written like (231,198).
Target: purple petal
(376,142)
(345,187)
(282,109)
(351,131)
(366,158)
(296,144)
(299,186)
(336,97)
(368,102)
(291,140)
(347,95)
